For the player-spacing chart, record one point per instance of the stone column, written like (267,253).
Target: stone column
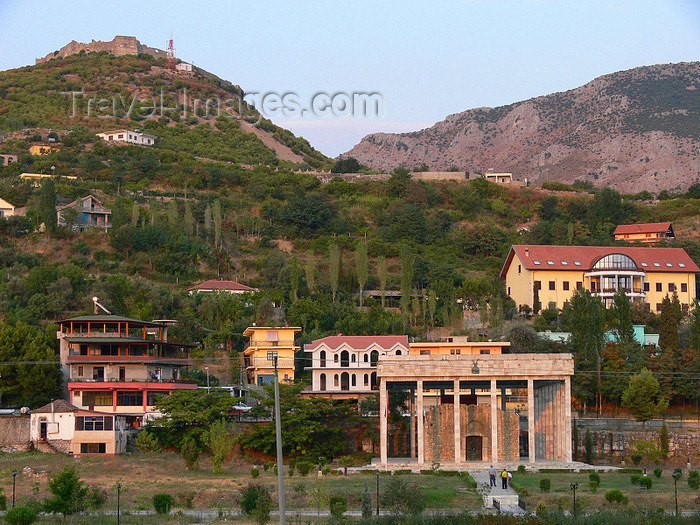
(494,422)
(412,411)
(457,423)
(566,420)
(383,405)
(531,419)
(420,422)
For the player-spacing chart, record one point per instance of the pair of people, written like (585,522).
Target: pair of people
(505,477)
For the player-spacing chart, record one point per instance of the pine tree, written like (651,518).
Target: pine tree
(643,396)
(135,213)
(334,268)
(189,220)
(216,212)
(47,206)
(311,275)
(382,275)
(361,266)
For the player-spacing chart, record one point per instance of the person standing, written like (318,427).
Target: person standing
(510,479)
(504,479)
(492,476)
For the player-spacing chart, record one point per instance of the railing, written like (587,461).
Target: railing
(144,380)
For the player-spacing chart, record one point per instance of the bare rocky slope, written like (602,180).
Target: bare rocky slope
(632,130)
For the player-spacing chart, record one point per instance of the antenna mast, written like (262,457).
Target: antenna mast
(170,53)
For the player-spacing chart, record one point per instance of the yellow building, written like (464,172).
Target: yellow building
(459,345)
(43,149)
(551,274)
(266,342)
(646,233)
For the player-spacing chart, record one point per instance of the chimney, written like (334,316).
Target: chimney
(527,252)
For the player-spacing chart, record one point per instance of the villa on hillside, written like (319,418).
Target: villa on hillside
(499,178)
(539,275)
(645,233)
(128,137)
(6,209)
(345,367)
(6,160)
(37,178)
(227,287)
(43,149)
(119,365)
(84,213)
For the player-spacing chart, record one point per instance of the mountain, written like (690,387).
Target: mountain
(632,130)
(122,83)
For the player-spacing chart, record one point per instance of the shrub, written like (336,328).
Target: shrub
(658,472)
(594,476)
(645,482)
(3,500)
(366,504)
(593,486)
(68,491)
(263,507)
(162,503)
(637,458)
(616,496)
(147,443)
(588,448)
(254,472)
(404,498)
(190,453)
(304,467)
(541,508)
(694,479)
(545,484)
(20,516)
(95,497)
(338,506)
(634,479)
(521,469)
(249,496)
(664,440)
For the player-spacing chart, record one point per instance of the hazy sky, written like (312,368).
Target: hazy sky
(426,59)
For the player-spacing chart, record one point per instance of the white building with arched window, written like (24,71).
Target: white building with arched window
(345,366)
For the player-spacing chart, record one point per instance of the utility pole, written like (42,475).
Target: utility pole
(278,430)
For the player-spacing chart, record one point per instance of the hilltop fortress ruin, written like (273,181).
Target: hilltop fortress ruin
(120,45)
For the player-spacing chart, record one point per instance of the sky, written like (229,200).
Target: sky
(420,61)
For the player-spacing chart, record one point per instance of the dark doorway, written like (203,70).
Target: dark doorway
(474,446)
(42,430)
(344,381)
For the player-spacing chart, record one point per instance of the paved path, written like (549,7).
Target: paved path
(482,480)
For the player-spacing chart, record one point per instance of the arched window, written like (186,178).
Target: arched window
(345,381)
(344,359)
(398,352)
(374,357)
(366,358)
(322,357)
(335,380)
(352,358)
(322,381)
(335,358)
(373,378)
(354,380)
(615,261)
(366,381)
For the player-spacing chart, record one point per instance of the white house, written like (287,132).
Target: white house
(184,66)
(6,209)
(69,429)
(128,136)
(345,367)
(214,286)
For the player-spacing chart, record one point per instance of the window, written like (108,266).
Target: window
(658,287)
(366,358)
(536,262)
(657,265)
(577,263)
(520,268)
(271,356)
(658,307)
(551,263)
(398,352)
(615,261)
(97,399)
(129,399)
(644,264)
(646,287)
(455,351)
(335,380)
(682,265)
(425,352)
(98,373)
(509,290)
(366,380)
(565,285)
(564,263)
(484,352)
(579,285)
(552,285)
(94,423)
(322,381)
(152,398)
(322,358)
(93,448)
(671,287)
(353,381)
(80,371)
(684,287)
(669,265)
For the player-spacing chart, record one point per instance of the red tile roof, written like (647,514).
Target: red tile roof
(654,227)
(223,285)
(358,342)
(550,257)
(58,405)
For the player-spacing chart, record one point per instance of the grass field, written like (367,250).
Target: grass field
(560,495)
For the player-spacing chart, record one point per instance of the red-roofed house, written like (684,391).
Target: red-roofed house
(345,366)
(652,232)
(214,286)
(550,274)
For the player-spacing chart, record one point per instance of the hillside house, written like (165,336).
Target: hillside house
(43,149)
(120,365)
(345,367)
(37,178)
(459,345)
(268,343)
(62,427)
(6,209)
(551,274)
(6,160)
(128,137)
(184,67)
(499,178)
(84,213)
(645,233)
(216,287)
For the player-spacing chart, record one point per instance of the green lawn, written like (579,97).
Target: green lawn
(561,496)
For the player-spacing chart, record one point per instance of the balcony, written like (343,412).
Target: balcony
(77,358)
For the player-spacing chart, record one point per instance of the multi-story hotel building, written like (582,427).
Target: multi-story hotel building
(551,274)
(118,365)
(266,344)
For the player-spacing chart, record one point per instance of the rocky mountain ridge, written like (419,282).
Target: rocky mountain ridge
(632,130)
